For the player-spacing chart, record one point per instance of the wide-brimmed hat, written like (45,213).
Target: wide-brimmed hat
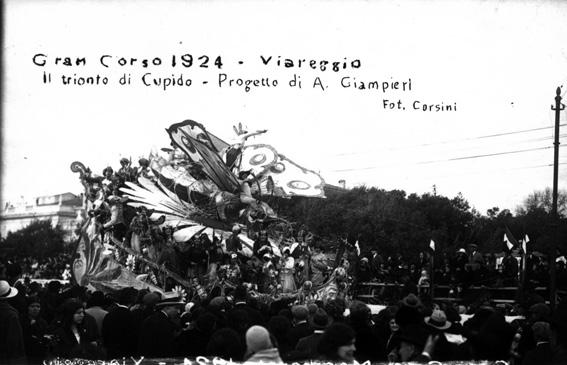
(7,291)
(438,320)
(412,301)
(170,302)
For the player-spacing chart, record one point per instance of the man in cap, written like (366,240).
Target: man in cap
(159,330)
(416,345)
(11,335)
(306,348)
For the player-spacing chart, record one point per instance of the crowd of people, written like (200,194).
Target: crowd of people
(40,323)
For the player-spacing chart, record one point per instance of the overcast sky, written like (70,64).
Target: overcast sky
(499,63)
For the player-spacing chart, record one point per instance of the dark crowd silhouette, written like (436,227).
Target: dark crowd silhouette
(42,322)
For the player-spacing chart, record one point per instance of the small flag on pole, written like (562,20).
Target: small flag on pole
(508,243)
(432,245)
(510,240)
(525,244)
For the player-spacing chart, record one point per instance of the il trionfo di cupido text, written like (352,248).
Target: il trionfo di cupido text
(190,71)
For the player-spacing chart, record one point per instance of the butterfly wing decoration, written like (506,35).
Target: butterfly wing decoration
(279,175)
(192,138)
(156,197)
(97,269)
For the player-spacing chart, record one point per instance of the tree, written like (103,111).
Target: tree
(39,239)
(543,200)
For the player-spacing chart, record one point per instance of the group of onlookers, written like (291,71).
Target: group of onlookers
(39,323)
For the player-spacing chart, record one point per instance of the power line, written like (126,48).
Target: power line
(454,140)
(491,171)
(453,159)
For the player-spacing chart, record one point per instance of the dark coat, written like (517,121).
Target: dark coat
(11,337)
(157,334)
(307,347)
(34,340)
(298,332)
(119,333)
(540,355)
(254,315)
(367,341)
(191,343)
(68,347)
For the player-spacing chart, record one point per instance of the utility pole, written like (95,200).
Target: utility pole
(555,218)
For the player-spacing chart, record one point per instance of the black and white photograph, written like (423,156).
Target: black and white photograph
(284,182)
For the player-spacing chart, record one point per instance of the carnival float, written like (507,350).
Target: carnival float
(197,217)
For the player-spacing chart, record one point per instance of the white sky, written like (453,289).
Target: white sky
(499,61)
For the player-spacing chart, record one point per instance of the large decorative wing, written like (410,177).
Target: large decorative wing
(93,267)
(195,141)
(178,180)
(163,202)
(279,174)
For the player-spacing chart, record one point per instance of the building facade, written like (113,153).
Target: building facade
(64,210)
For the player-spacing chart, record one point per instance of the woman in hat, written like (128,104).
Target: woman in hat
(337,343)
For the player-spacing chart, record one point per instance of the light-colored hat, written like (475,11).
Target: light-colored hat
(438,320)
(7,291)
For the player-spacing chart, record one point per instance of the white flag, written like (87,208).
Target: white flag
(525,244)
(508,243)
(432,245)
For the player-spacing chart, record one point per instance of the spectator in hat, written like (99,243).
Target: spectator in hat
(301,327)
(119,330)
(158,331)
(437,325)
(11,335)
(337,343)
(241,303)
(260,346)
(542,353)
(366,336)
(414,345)
(191,342)
(18,301)
(409,311)
(307,346)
